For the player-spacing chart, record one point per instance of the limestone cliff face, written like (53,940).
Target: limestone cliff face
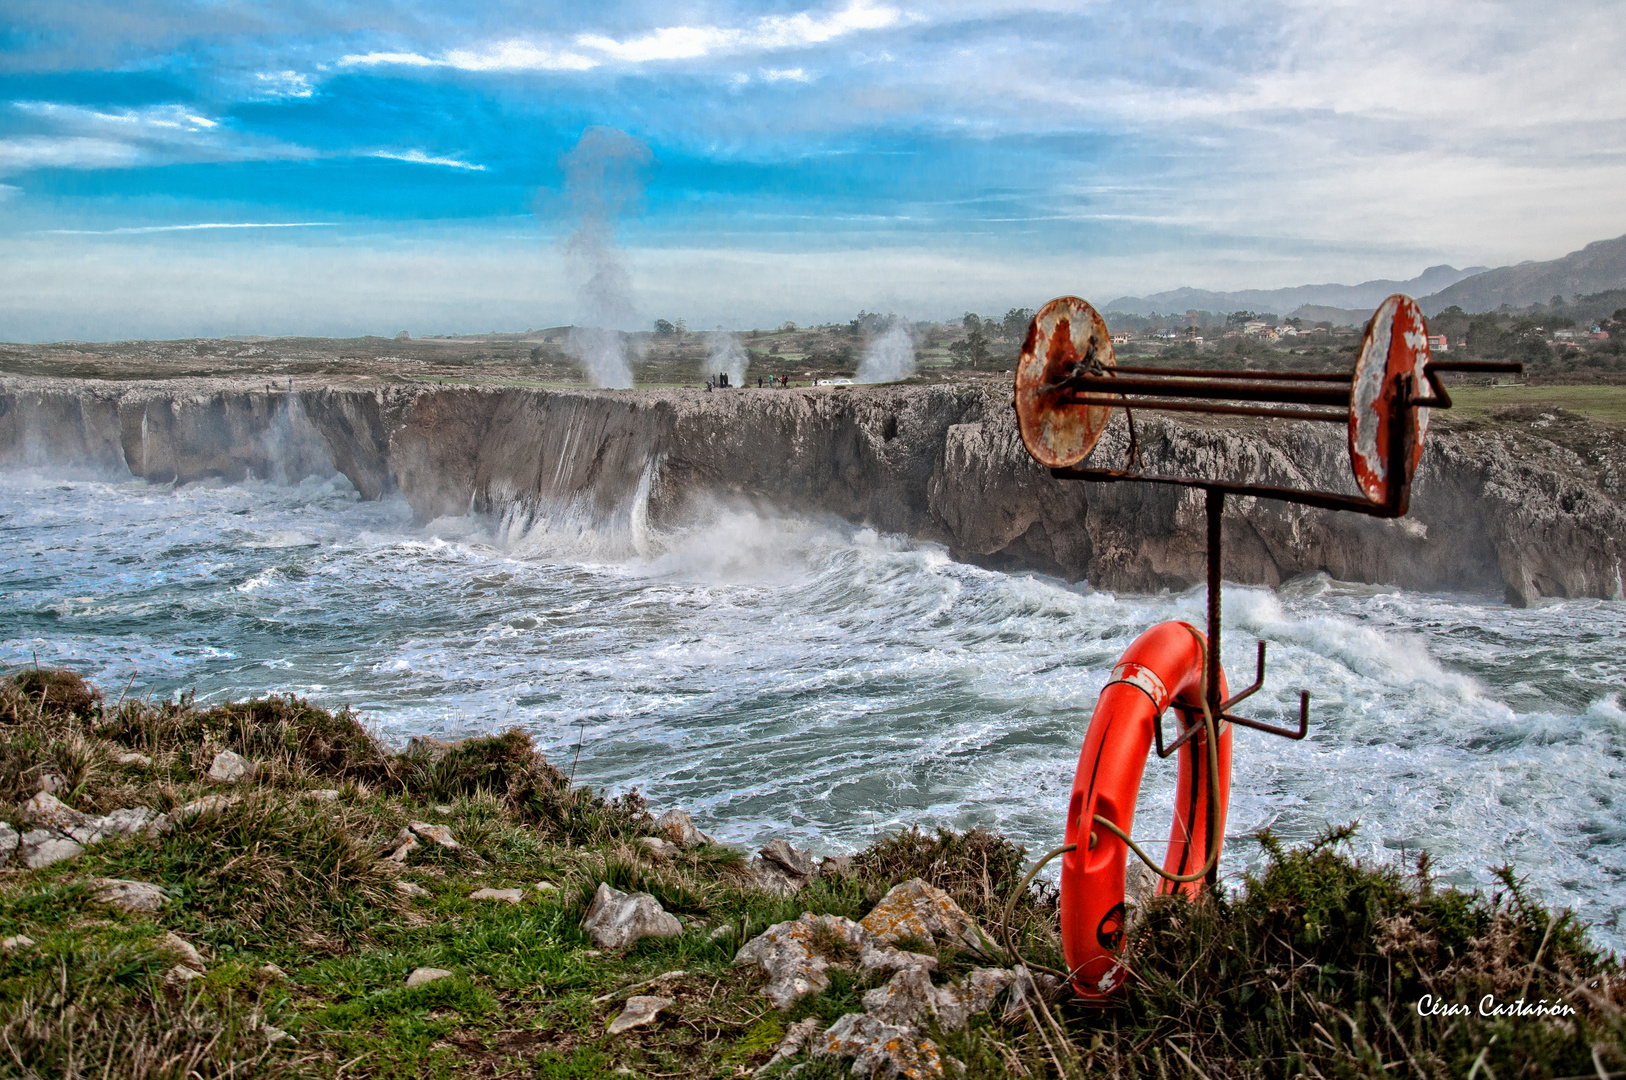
(1513,508)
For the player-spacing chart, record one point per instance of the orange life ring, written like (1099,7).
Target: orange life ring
(1163,666)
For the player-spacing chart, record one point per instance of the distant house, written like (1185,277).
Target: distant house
(1255,327)
(1120,337)
(1287,331)
(1563,335)
(1437,343)
(1598,335)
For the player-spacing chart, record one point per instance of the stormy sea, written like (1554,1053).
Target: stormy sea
(799,676)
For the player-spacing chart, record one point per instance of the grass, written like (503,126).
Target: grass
(1602,404)
(1313,968)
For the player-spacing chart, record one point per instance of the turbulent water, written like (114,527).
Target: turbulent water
(779,675)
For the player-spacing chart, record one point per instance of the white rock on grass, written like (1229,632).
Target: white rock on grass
(438,834)
(909,998)
(16,943)
(209,804)
(423,975)
(639,1012)
(272,1035)
(797,955)
(48,812)
(796,1037)
(404,844)
(43,847)
(677,827)
(180,974)
(51,783)
(617,919)
(877,1046)
(272,971)
(410,888)
(783,870)
(1027,987)
(10,841)
(184,951)
(323,794)
(131,895)
(228,767)
(131,758)
(658,848)
(915,909)
(512,896)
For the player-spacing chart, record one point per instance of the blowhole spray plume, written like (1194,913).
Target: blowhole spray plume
(890,355)
(724,353)
(603,180)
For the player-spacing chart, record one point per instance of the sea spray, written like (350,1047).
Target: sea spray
(603,180)
(725,355)
(890,356)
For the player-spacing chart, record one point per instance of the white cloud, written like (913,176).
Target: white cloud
(768,34)
(418,157)
(512,55)
(141,230)
(784,74)
(288,84)
(73,152)
(8,191)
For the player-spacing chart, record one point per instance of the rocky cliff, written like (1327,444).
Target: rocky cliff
(1534,508)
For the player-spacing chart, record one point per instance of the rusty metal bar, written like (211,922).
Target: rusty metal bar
(1208,389)
(1336,416)
(1209,373)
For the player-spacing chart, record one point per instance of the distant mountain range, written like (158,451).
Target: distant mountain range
(1599,266)
(1368,294)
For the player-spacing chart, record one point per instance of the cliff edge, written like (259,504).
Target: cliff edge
(1532,506)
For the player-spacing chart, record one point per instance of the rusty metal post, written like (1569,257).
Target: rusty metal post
(1214,504)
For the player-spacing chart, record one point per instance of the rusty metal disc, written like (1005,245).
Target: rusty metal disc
(1067,335)
(1396,342)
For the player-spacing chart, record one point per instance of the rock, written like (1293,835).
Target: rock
(640,1011)
(546,887)
(48,812)
(878,1047)
(410,888)
(272,971)
(183,951)
(1027,987)
(130,757)
(838,866)
(657,847)
(10,841)
(617,919)
(438,834)
(42,847)
(228,768)
(443,810)
(323,794)
(957,1003)
(51,783)
(420,976)
(512,896)
(783,870)
(180,974)
(796,955)
(795,1038)
(131,895)
(272,1035)
(906,999)
(677,827)
(915,909)
(17,942)
(404,844)
(209,804)
(125,822)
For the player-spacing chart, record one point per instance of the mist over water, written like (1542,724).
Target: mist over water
(799,676)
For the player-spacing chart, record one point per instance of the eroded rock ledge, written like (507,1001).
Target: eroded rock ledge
(1534,509)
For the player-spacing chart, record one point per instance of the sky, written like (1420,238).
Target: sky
(211,168)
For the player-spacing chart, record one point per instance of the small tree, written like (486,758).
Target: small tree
(664,328)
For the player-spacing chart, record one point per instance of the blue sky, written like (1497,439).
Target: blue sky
(397,167)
